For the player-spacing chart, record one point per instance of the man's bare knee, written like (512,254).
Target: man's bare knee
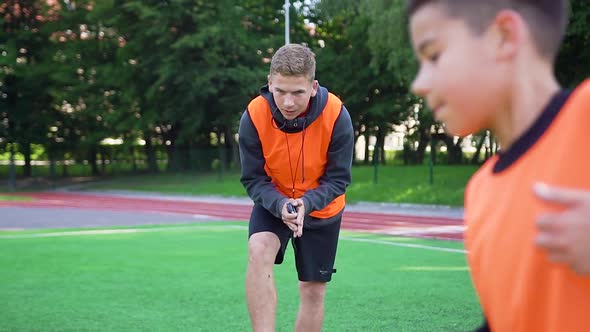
(263,248)
(312,292)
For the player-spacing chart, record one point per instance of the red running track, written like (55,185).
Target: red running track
(379,223)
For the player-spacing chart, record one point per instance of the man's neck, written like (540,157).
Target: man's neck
(304,114)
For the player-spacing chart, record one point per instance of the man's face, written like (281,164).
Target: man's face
(459,77)
(292,93)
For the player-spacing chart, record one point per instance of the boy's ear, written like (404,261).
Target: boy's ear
(509,31)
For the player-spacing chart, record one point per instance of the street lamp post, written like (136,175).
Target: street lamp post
(287,5)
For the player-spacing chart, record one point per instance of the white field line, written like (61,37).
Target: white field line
(210,228)
(402,244)
(456,229)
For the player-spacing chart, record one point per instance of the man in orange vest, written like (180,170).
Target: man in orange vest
(296,142)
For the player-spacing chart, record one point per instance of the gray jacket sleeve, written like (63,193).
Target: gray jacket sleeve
(254,178)
(338,170)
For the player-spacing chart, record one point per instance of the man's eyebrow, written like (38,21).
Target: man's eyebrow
(296,91)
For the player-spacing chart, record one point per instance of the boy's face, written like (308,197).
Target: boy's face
(292,93)
(459,76)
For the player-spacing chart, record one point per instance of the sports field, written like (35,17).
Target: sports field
(190,277)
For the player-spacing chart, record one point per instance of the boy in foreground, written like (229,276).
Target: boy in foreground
(489,65)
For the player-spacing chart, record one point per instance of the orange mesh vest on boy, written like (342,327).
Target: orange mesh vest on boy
(519,288)
(296,174)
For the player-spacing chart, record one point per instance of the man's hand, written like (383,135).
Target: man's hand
(294,220)
(298,204)
(566,235)
(290,219)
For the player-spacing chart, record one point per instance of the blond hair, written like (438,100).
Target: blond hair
(293,60)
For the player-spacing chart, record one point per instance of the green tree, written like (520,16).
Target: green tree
(371,73)
(85,50)
(573,62)
(25,61)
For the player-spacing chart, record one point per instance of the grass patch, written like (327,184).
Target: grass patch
(177,183)
(395,184)
(410,184)
(75,170)
(193,280)
(15,198)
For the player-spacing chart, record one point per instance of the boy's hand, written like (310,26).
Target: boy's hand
(566,235)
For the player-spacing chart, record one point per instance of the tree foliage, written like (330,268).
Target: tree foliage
(170,78)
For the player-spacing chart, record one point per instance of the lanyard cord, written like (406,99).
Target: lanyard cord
(300,157)
(294,175)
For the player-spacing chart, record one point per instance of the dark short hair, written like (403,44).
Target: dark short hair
(547,19)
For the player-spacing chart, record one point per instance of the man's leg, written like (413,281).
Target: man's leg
(311,308)
(315,253)
(261,293)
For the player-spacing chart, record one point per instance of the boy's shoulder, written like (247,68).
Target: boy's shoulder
(578,104)
(580,94)
(582,91)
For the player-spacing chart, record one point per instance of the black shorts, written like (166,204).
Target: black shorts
(315,250)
